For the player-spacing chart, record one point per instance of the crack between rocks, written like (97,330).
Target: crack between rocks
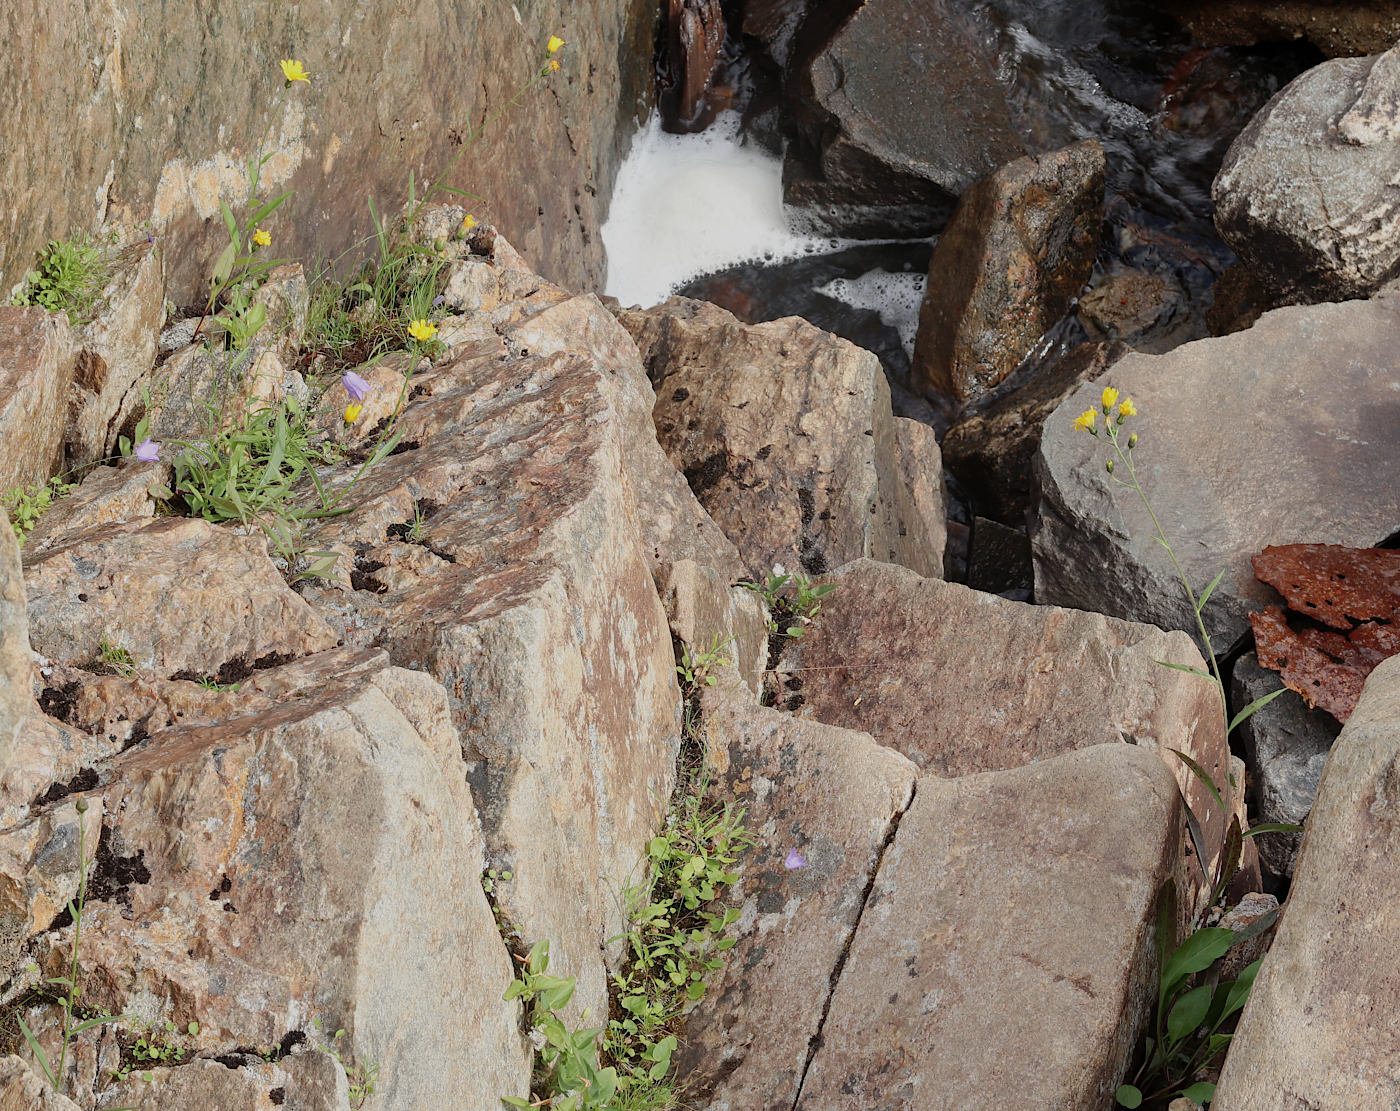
(815,1042)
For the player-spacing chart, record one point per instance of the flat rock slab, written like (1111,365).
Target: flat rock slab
(181,595)
(1320,1030)
(832,796)
(786,435)
(963,682)
(1004,958)
(1280,434)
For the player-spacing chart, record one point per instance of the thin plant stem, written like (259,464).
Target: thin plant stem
(77,939)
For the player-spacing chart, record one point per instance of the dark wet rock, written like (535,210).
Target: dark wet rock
(1274,435)
(1306,195)
(694,35)
(999,560)
(1017,252)
(992,449)
(1286,747)
(1336,27)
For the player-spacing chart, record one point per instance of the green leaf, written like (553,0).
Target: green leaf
(1197,953)
(1253,708)
(1188,1012)
(1128,1096)
(39,1054)
(1273,827)
(1185,667)
(1237,995)
(516,1101)
(223,267)
(229,221)
(1208,591)
(1202,1092)
(1204,776)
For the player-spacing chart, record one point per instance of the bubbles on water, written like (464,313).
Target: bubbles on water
(896,297)
(686,205)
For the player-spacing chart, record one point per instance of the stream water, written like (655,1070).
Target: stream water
(702,214)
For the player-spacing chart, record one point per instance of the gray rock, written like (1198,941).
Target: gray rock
(1307,194)
(1019,248)
(23,1090)
(833,797)
(1286,746)
(1274,435)
(908,111)
(1319,1030)
(1005,955)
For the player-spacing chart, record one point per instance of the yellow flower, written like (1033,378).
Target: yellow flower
(1127,409)
(352,412)
(261,238)
(421,330)
(1086,420)
(1110,397)
(468,222)
(294,71)
(555,42)
(554,64)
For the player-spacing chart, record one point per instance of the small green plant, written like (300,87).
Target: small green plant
(114,657)
(793,602)
(363,1077)
(694,668)
(69,277)
(155,1046)
(209,683)
(70,987)
(26,504)
(567,1074)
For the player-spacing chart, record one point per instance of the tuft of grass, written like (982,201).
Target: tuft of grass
(70,276)
(115,658)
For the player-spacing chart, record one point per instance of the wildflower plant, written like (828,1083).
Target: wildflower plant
(70,277)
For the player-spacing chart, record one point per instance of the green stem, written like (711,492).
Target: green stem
(77,941)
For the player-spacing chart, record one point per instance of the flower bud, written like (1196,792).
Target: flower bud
(80,804)
(1132,441)
(1108,463)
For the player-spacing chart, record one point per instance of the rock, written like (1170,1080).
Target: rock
(239,906)
(356,129)
(286,298)
(1266,436)
(1318,1030)
(963,682)
(694,35)
(49,761)
(674,524)
(906,111)
(921,466)
(209,1086)
(1241,916)
(16,701)
(1336,27)
(834,797)
(39,868)
(179,594)
(999,560)
(1305,194)
(23,1090)
(1017,252)
(704,611)
(1286,746)
(530,560)
(1139,308)
(37,358)
(107,495)
(116,353)
(992,449)
(388,382)
(1005,955)
(786,435)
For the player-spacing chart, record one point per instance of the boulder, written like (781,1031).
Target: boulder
(1306,194)
(39,868)
(1286,747)
(24,1090)
(208,1085)
(1262,437)
(706,613)
(357,129)
(311,864)
(1017,252)
(786,435)
(992,448)
(833,797)
(694,35)
(37,360)
(902,110)
(1319,1029)
(107,495)
(16,663)
(963,682)
(1005,956)
(1336,27)
(528,559)
(179,594)
(116,353)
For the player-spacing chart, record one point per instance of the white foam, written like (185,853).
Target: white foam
(895,296)
(686,205)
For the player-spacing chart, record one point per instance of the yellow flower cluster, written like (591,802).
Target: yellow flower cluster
(352,412)
(421,330)
(294,71)
(1086,420)
(261,238)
